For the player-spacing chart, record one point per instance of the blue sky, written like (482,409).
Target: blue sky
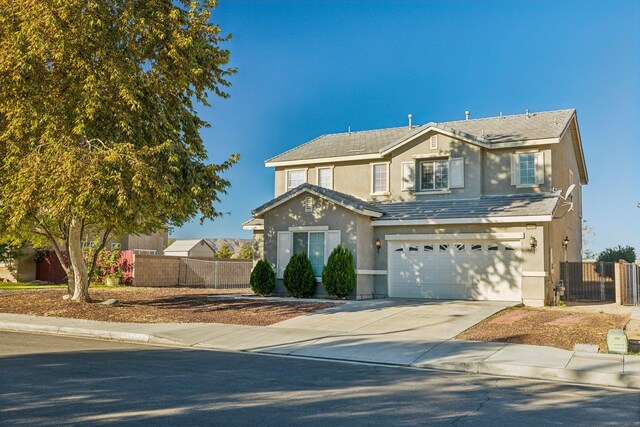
(306,68)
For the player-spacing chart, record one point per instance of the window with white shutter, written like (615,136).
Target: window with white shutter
(317,245)
(456,173)
(285,241)
(527,169)
(408,176)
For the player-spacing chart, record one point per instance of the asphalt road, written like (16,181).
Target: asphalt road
(47,380)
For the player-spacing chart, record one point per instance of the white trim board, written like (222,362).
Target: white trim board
(309,228)
(372,272)
(455,236)
(323,160)
(534,274)
(382,154)
(483,220)
(365,212)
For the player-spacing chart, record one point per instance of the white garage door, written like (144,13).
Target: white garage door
(455,270)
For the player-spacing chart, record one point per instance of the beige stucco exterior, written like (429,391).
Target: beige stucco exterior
(487,171)
(20,270)
(157,241)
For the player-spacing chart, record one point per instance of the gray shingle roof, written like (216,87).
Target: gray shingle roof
(183,245)
(529,204)
(548,124)
(486,206)
(341,198)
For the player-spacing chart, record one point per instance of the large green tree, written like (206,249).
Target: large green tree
(99,133)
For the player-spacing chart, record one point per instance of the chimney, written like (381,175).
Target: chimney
(410,125)
(526,113)
(466,115)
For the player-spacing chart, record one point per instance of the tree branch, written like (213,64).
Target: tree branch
(103,242)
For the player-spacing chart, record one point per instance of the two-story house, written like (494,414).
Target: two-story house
(470,209)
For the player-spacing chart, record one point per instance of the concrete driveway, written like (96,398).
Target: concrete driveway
(382,331)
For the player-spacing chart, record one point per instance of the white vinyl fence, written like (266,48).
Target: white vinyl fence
(215,274)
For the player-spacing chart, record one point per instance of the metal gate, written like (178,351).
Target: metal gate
(630,276)
(214,274)
(588,281)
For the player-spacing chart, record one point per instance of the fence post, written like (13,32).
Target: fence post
(618,281)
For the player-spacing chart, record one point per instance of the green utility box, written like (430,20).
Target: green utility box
(617,341)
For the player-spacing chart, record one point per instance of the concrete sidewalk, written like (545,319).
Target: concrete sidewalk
(360,343)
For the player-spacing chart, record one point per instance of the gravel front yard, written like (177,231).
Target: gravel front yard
(550,327)
(157,305)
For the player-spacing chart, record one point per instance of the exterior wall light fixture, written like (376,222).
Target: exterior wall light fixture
(378,245)
(565,242)
(533,242)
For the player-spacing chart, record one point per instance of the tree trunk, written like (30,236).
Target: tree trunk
(64,262)
(78,265)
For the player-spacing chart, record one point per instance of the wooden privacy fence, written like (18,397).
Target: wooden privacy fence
(214,274)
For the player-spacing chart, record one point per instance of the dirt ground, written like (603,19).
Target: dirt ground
(560,328)
(157,305)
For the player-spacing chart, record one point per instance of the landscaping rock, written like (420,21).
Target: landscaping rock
(66,296)
(111,301)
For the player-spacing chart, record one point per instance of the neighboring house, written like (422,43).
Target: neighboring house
(194,248)
(145,244)
(20,270)
(469,209)
(26,269)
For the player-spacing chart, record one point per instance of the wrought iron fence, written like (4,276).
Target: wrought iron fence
(215,274)
(588,281)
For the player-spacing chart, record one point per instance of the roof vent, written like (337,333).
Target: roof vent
(526,113)
(466,115)
(500,114)
(308,204)
(410,125)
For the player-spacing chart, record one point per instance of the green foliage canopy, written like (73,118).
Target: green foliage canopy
(98,126)
(617,253)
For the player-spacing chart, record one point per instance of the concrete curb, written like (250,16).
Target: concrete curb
(607,379)
(586,377)
(74,331)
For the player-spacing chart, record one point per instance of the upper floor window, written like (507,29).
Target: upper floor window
(325,178)
(434,175)
(527,169)
(380,178)
(295,178)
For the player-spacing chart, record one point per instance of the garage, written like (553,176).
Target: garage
(472,270)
